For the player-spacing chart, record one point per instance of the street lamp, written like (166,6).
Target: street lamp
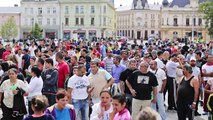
(193,22)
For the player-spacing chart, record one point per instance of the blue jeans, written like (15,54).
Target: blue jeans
(161,108)
(83,107)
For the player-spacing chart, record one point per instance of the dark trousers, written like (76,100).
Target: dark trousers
(129,102)
(205,99)
(51,98)
(171,88)
(7,114)
(30,108)
(196,108)
(183,110)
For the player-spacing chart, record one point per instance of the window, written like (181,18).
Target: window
(104,9)
(152,32)
(82,9)
(54,21)
(66,21)
(39,10)
(200,21)
(104,21)
(40,21)
(162,21)
(48,10)
(25,10)
(31,10)
(26,21)
(145,25)
(187,21)
(76,9)
(92,9)
(152,23)
(82,21)
(175,22)
(66,9)
(32,21)
(48,21)
(76,21)
(54,10)
(93,21)
(194,21)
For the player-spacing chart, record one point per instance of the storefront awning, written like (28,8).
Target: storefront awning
(92,31)
(67,31)
(79,31)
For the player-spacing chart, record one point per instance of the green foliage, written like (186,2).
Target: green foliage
(207,9)
(36,31)
(9,29)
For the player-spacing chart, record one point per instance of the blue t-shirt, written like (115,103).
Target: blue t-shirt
(44,117)
(62,114)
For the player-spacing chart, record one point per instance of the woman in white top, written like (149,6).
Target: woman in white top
(102,110)
(10,88)
(35,85)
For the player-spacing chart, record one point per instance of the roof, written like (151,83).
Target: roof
(142,2)
(123,8)
(182,3)
(10,10)
(151,7)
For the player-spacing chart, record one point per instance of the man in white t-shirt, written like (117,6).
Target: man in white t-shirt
(207,68)
(78,89)
(159,60)
(32,48)
(161,77)
(171,68)
(19,58)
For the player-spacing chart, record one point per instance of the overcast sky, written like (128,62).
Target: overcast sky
(10,3)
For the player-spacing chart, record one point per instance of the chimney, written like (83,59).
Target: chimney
(15,5)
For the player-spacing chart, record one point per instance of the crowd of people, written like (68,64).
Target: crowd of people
(105,80)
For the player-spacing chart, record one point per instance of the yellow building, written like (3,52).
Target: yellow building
(87,19)
(180,18)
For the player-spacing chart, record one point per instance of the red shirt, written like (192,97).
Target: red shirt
(63,70)
(6,53)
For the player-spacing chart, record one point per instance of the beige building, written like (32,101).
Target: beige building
(44,12)
(180,18)
(87,19)
(7,12)
(141,20)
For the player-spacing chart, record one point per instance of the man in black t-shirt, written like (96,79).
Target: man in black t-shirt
(123,77)
(141,84)
(25,61)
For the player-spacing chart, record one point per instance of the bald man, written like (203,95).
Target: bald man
(141,84)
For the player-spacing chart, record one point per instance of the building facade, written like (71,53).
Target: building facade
(139,21)
(87,19)
(180,18)
(6,13)
(65,18)
(44,12)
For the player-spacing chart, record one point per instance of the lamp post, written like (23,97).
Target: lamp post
(193,22)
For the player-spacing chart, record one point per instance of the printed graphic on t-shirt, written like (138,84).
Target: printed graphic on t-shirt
(143,80)
(80,85)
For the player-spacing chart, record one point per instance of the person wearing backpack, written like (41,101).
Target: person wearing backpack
(50,80)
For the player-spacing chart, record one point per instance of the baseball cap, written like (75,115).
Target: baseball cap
(192,59)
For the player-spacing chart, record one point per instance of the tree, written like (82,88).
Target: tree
(36,31)
(9,29)
(207,9)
